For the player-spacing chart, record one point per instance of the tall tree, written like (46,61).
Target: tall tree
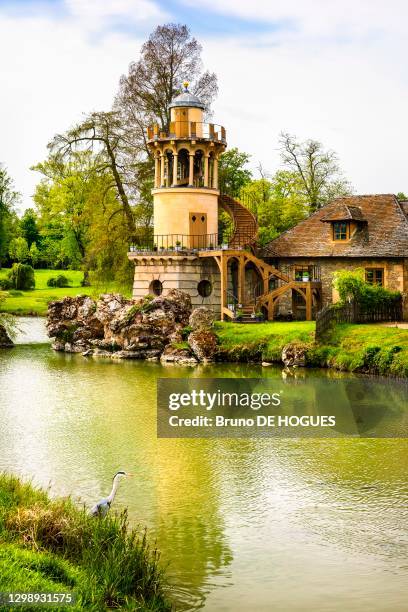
(9,198)
(233,171)
(277,203)
(318,170)
(104,136)
(28,227)
(169,57)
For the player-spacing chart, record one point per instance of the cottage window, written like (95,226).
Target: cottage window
(302,273)
(341,230)
(375,276)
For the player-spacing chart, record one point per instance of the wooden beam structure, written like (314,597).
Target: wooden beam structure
(268,299)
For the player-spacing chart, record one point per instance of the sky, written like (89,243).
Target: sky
(332,70)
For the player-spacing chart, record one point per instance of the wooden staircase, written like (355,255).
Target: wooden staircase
(245,230)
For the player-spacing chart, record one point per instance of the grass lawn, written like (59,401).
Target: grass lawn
(36,301)
(49,545)
(350,347)
(261,341)
(368,347)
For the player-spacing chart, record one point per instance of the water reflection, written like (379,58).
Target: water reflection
(288,524)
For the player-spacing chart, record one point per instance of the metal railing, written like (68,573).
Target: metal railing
(188,129)
(249,200)
(146,241)
(174,243)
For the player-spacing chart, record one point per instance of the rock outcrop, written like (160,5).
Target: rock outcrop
(294,354)
(201,318)
(203,344)
(5,340)
(116,327)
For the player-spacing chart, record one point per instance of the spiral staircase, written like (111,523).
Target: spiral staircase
(245,226)
(241,245)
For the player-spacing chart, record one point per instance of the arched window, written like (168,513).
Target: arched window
(199,169)
(156,287)
(168,168)
(183,162)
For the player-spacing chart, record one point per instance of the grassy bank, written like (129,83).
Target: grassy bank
(35,302)
(363,348)
(370,348)
(260,341)
(52,546)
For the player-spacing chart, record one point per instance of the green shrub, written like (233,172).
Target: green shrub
(6,284)
(352,285)
(21,276)
(58,281)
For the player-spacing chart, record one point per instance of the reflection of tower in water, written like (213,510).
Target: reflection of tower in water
(190,526)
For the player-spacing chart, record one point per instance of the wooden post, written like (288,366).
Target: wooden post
(241,279)
(271,307)
(266,282)
(224,281)
(191,171)
(308,302)
(175,158)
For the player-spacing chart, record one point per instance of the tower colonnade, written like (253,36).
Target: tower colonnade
(185,164)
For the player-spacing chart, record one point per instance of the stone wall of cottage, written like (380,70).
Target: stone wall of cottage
(395,277)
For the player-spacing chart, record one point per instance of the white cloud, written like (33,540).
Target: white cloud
(349,101)
(95,14)
(319,16)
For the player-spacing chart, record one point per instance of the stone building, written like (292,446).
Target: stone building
(368,232)
(229,273)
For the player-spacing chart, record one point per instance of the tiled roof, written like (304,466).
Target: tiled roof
(385,233)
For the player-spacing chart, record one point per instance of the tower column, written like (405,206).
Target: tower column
(191,171)
(175,159)
(215,173)
(162,170)
(157,171)
(206,159)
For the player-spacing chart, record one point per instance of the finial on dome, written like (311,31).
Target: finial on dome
(185,85)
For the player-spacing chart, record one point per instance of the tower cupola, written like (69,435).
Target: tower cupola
(186,99)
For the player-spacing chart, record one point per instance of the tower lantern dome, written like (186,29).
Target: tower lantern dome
(186,99)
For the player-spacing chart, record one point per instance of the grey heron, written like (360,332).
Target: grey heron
(101,508)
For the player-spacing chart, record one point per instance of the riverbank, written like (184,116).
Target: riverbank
(35,302)
(50,545)
(369,348)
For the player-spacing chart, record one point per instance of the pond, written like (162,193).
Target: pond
(247,524)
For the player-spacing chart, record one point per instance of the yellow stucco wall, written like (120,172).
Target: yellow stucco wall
(192,114)
(173,206)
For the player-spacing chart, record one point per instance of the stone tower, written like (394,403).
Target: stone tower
(185,199)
